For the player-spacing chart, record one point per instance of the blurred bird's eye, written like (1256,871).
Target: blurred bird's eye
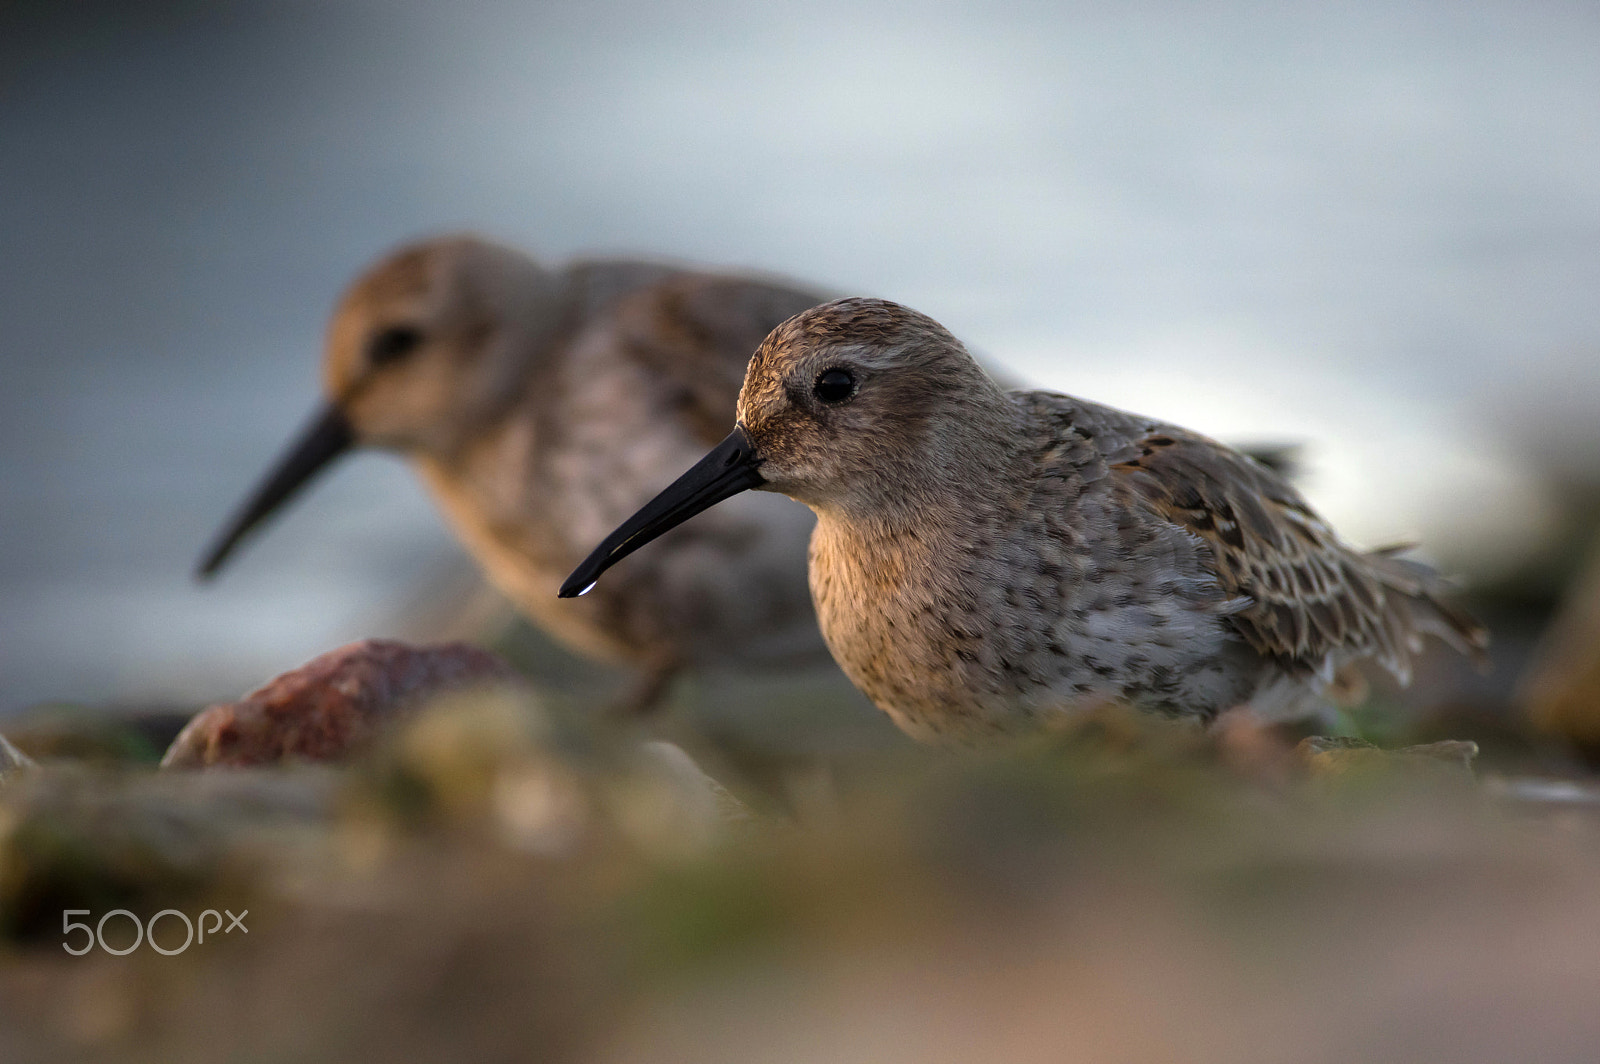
(834,385)
(393,344)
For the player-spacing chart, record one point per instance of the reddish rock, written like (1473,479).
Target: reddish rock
(331,706)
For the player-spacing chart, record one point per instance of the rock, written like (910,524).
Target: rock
(498,762)
(110,734)
(12,760)
(1338,756)
(666,804)
(332,706)
(77,836)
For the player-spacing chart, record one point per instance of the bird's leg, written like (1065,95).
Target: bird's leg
(1252,747)
(647,692)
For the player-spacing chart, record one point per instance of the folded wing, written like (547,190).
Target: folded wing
(1314,602)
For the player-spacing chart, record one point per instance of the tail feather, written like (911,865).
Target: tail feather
(1423,602)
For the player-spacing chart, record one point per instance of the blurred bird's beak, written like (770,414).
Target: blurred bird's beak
(326,437)
(731,467)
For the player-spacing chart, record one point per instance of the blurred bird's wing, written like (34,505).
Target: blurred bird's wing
(696,332)
(1312,600)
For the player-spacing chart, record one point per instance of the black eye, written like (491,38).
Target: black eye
(393,344)
(834,385)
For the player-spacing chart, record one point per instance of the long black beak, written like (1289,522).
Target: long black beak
(731,467)
(326,437)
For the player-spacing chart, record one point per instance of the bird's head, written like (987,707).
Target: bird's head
(860,406)
(435,341)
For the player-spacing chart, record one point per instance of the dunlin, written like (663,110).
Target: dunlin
(984,561)
(542,406)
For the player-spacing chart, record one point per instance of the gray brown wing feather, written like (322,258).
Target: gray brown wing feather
(1313,601)
(1310,601)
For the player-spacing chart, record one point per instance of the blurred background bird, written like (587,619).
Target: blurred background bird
(541,407)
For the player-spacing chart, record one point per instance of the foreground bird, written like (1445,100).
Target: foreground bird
(543,406)
(984,560)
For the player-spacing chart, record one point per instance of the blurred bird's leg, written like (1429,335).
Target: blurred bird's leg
(1252,747)
(647,693)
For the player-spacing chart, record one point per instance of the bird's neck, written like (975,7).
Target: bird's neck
(964,473)
(885,585)
(915,516)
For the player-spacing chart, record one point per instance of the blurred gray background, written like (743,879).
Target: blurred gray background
(1371,226)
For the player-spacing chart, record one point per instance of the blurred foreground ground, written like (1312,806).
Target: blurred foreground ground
(502,880)
(506,877)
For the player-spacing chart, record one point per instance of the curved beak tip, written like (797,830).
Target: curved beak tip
(575,589)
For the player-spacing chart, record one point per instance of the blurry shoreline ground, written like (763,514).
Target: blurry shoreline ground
(491,883)
(505,877)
